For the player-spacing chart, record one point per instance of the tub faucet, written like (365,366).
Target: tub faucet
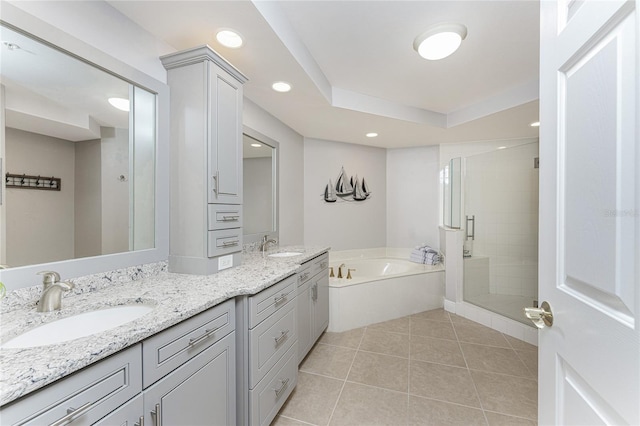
(340,270)
(265,242)
(52,288)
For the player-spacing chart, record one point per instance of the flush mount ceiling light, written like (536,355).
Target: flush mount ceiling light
(120,103)
(440,40)
(281,86)
(535,124)
(229,38)
(371,135)
(256,145)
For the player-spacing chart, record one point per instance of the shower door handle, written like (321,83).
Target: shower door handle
(471,228)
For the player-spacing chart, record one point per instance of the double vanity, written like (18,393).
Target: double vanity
(219,349)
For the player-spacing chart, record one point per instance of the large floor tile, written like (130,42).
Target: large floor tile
(313,399)
(328,360)
(379,370)
(440,351)
(530,359)
(434,314)
(496,419)
(432,328)
(494,359)
(400,325)
(348,339)
(365,405)
(386,343)
(479,334)
(510,395)
(424,411)
(442,382)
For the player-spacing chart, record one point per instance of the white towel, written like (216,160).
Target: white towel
(426,255)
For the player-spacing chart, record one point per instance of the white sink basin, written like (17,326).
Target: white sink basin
(77,326)
(286,254)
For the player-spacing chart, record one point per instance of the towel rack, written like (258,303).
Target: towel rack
(33,182)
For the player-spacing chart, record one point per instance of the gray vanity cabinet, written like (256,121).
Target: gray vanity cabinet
(312,302)
(206,160)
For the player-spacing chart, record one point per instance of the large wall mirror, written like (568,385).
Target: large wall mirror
(83,161)
(260,183)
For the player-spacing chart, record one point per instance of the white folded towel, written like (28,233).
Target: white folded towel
(426,255)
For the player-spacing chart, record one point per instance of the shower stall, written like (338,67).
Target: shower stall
(500,224)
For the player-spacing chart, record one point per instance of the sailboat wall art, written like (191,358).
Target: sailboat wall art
(347,188)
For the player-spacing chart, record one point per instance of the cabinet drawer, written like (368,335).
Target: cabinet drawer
(270,340)
(270,300)
(320,264)
(93,392)
(267,399)
(224,216)
(171,348)
(127,415)
(224,241)
(304,273)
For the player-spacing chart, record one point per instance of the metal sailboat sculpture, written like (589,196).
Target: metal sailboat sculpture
(347,188)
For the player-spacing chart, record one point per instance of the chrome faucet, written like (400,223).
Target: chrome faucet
(265,242)
(52,288)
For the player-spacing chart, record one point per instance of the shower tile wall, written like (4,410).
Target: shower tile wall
(502,193)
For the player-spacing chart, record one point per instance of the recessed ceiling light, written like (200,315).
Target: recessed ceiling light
(281,86)
(535,124)
(502,147)
(371,135)
(440,40)
(120,103)
(256,145)
(229,38)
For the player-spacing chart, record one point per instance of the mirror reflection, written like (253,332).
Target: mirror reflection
(259,186)
(94,132)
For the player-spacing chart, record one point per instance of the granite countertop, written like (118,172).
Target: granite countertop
(176,297)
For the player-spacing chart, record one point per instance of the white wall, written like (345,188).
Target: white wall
(344,225)
(40,223)
(290,157)
(412,196)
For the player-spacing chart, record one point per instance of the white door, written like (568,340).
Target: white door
(590,212)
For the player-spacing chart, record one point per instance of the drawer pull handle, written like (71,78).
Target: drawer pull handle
(207,333)
(282,337)
(283,386)
(157,416)
(140,422)
(230,243)
(280,299)
(73,413)
(303,277)
(323,265)
(230,218)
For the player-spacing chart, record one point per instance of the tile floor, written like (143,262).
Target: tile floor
(432,368)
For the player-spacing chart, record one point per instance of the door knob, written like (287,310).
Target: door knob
(540,316)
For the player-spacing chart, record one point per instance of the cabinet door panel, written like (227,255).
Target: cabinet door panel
(304,320)
(127,415)
(201,392)
(225,130)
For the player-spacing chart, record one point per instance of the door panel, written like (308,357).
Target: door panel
(589,212)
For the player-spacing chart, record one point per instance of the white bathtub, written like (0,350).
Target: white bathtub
(385,285)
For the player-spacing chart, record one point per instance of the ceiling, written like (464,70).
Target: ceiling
(353,68)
